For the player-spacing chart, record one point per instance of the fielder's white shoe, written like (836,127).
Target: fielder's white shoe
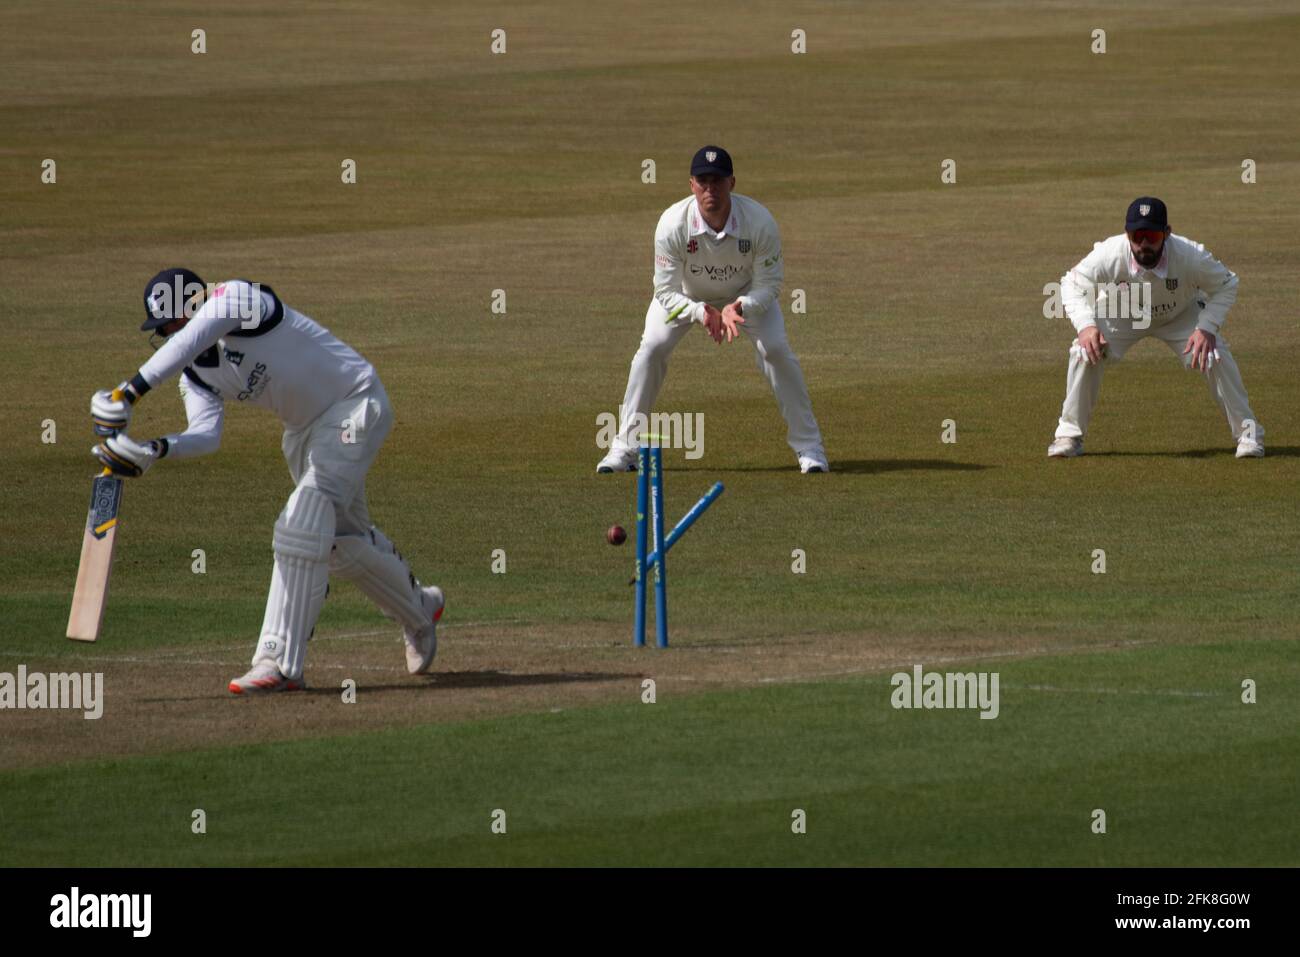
(1250,449)
(813,460)
(422,645)
(263,677)
(618,460)
(1066,448)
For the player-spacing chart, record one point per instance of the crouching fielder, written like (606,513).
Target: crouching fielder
(238,342)
(1188,294)
(717,263)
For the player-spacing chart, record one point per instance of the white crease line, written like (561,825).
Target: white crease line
(396,630)
(720,680)
(1153,691)
(883,667)
(394,633)
(124,660)
(877,668)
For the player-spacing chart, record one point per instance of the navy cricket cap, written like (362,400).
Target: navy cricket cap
(1146,212)
(711,160)
(166,294)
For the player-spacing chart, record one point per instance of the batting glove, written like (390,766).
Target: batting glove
(124,456)
(110,409)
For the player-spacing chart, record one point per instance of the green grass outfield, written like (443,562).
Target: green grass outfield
(522,172)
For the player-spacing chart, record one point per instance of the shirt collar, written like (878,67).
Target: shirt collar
(698,225)
(1161,269)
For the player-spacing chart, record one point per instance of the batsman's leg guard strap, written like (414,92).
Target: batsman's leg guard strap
(372,562)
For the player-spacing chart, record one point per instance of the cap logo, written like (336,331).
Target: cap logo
(159,301)
(1144,209)
(711,155)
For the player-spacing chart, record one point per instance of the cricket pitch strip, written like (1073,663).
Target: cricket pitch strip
(175,698)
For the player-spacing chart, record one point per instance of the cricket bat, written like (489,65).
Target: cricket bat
(91,594)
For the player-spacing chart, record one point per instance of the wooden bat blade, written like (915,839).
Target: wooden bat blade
(91,593)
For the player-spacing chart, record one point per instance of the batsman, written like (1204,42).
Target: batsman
(238,342)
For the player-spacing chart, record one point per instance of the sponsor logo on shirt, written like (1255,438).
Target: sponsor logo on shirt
(692,247)
(233,357)
(744,246)
(257,380)
(717,273)
(1171,284)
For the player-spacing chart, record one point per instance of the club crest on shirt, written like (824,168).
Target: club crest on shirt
(233,357)
(692,247)
(1171,284)
(744,246)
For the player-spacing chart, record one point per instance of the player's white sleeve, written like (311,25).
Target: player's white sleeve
(230,305)
(205,415)
(769,271)
(1219,283)
(670,258)
(1079,286)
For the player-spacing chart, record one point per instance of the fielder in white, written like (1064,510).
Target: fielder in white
(239,343)
(1189,294)
(718,263)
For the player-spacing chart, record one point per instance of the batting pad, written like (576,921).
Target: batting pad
(304,533)
(373,563)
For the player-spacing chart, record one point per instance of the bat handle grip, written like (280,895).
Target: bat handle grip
(106,472)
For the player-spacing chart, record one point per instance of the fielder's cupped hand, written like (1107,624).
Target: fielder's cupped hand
(732,320)
(1093,344)
(1201,345)
(110,411)
(713,322)
(125,456)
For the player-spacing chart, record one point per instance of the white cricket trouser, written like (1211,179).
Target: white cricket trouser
(776,361)
(331,457)
(319,457)
(1083,381)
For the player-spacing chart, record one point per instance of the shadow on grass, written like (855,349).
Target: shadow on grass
(869,466)
(487,679)
(432,683)
(1278,452)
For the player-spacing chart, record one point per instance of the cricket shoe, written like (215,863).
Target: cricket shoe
(1250,449)
(813,460)
(263,677)
(422,645)
(618,460)
(1065,448)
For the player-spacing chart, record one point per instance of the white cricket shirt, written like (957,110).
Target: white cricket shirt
(694,265)
(245,345)
(1186,274)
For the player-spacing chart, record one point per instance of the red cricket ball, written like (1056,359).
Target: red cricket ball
(616,535)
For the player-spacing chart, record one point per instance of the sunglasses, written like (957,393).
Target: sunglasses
(1150,237)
